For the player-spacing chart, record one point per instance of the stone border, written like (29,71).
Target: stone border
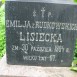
(33,71)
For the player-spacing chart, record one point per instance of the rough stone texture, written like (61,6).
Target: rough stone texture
(46,44)
(33,71)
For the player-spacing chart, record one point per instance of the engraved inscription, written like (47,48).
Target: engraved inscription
(40,33)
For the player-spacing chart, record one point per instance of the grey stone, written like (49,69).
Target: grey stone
(40,33)
(33,71)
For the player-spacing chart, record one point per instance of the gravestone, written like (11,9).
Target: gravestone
(40,33)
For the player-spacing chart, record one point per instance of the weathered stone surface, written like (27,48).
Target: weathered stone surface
(40,33)
(33,71)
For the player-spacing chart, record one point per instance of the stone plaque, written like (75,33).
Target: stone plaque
(40,33)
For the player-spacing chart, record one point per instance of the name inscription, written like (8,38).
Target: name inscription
(39,35)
